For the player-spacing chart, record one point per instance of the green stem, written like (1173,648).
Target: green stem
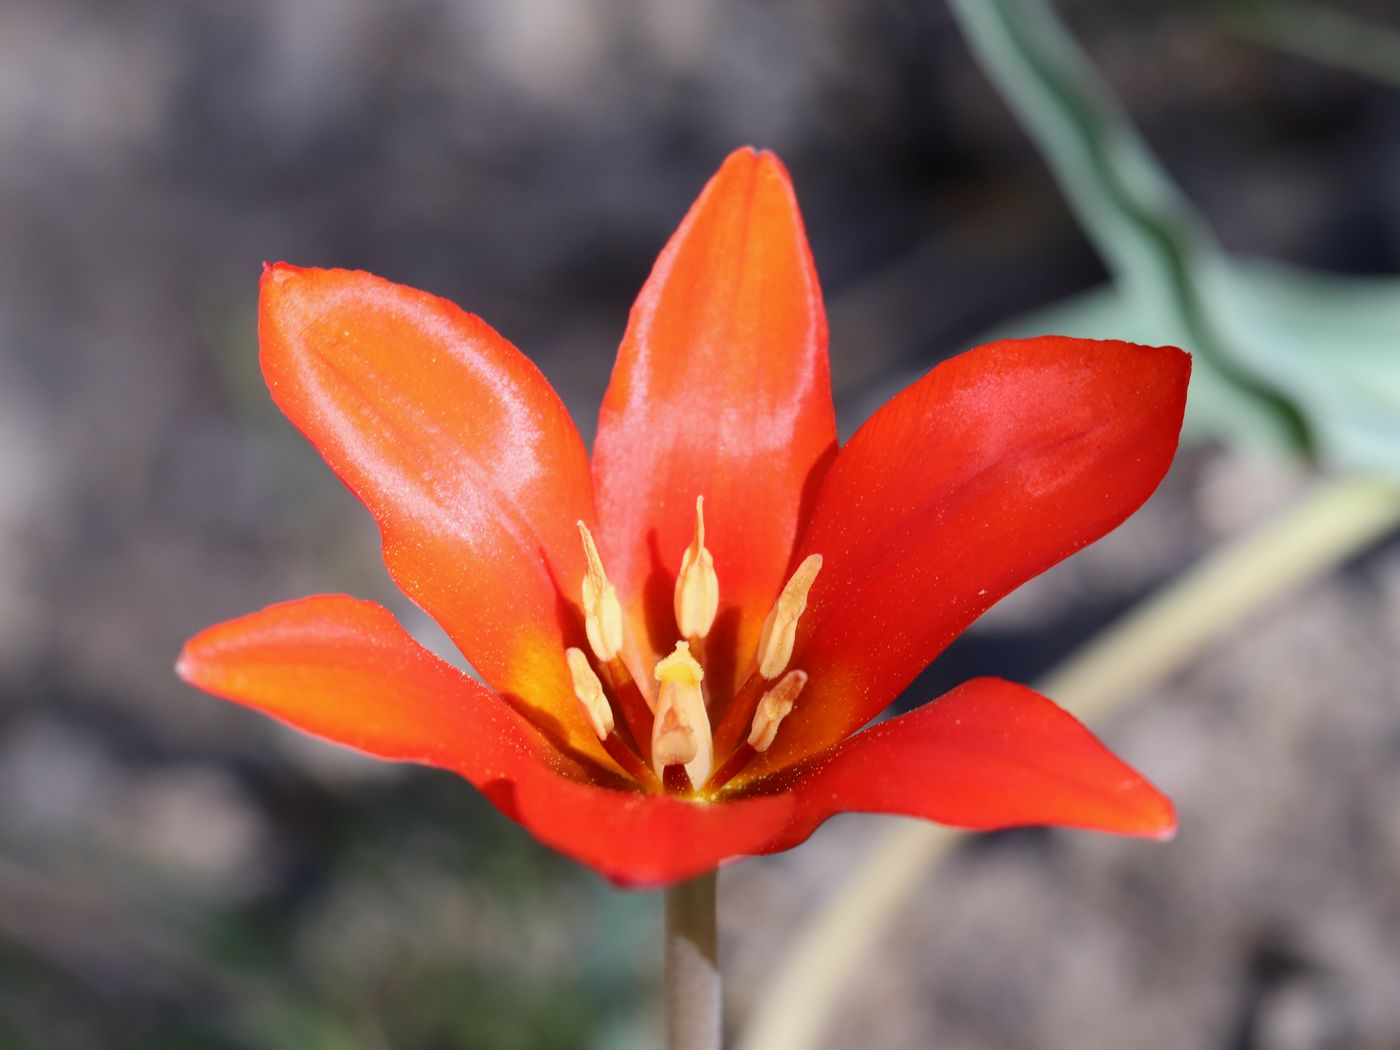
(1340,518)
(692,966)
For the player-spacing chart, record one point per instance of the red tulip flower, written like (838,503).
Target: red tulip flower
(680,639)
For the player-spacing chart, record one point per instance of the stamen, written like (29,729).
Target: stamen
(681,732)
(632,703)
(602,613)
(773,708)
(589,691)
(780,629)
(734,724)
(697,586)
(594,701)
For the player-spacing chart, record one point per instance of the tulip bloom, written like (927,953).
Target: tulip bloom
(680,639)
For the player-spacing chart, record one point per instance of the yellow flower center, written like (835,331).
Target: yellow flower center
(680,752)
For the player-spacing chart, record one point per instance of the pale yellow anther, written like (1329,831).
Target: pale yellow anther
(775,705)
(780,629)
(680,736)
(697,586)
(602,613)
(589,692)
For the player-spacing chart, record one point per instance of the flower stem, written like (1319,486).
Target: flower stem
(1338,519)
(692,966)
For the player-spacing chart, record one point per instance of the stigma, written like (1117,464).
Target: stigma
(681,733)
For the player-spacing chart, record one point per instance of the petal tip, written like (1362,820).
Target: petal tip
(754,164)
(1180,359)
(276,276)
(184,665)
(1165,828)
(279,270)
(192,665)
(770,161)
(1173,358)
(757,165)
(752,154)
(192,662)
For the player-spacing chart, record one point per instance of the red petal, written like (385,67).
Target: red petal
(721,389)
(345,670)
(463,453)
(990,754)
(990,469)
(642,840)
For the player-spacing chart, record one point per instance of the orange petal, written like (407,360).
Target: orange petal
(989,754)
(644,840)
(344,670)
(465,456)
(721,390)
(990,469)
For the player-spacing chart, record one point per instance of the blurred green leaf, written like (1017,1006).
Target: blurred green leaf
(1303,361)
(1333,343)
(1322,34)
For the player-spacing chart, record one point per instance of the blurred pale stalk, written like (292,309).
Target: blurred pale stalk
(1336,521)
(692,966)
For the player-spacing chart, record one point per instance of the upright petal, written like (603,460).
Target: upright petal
(344,670)
(990,469)
(721,390)
(465,456)
(990,754)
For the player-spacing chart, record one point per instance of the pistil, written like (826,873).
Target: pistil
(681,733)
(664,740)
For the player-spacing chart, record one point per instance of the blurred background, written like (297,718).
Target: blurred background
(176,872)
